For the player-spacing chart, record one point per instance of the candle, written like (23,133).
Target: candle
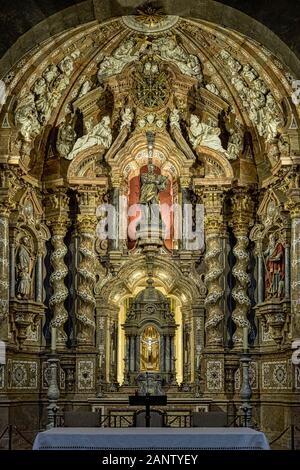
(53,338)
(245,337)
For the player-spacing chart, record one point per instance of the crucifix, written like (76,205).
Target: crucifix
(147,401)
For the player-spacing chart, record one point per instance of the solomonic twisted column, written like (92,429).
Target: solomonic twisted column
(214,229)
(241,223)
(59,228)
(86,226)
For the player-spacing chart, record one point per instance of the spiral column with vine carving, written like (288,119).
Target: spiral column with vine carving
(60,271)
(86,226)
(241,223)
(214,271)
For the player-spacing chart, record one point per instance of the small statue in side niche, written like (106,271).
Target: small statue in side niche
(275,269)
(66,137)
(24,267)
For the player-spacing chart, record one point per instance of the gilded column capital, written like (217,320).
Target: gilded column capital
(115,180)
(58,225)
(86,223)
(213,199)
(185,182)
(242,213)
(214,224)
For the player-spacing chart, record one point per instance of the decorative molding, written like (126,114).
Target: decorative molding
(85,375)
(22,374)
(275,375)
(214,375)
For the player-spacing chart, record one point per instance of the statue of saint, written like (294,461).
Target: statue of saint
(152,185)
(100,134)
(24,266)
(274,264)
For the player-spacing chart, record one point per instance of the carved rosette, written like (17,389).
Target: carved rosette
(86,226)
(242,213)
(214,270)
(60,271)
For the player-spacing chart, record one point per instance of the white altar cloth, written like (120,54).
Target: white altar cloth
(150,438)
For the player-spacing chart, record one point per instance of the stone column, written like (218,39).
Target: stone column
(58,228)
(127,355)
(184,184)
(241,223)
(162,353)
(85,325)
(172,354)
(137,353)
(167,353)
(131,355)
(39,278)
(57,210)
(8,188)
(12,268)
(260,277)
(4,262)
(214,230)
(198,322)
(287,264)
(115,202)
(293,205)
(86,228)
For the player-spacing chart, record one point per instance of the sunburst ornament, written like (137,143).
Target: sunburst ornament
(150,15)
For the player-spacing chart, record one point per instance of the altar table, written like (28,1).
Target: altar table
(150,438)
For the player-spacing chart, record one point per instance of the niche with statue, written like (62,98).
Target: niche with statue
(149,331)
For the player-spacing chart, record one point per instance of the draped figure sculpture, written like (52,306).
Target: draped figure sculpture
(275,269)
(24,268)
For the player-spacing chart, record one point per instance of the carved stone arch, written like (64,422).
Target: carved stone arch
(271,208)
(273,218)
(163,145)
(34,209)
(165,272)
(218,170)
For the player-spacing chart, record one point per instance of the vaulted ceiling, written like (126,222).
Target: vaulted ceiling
(48,17)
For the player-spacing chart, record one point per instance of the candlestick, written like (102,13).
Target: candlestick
(53,338)
(245,338)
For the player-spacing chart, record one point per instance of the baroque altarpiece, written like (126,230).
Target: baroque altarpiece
(143,109)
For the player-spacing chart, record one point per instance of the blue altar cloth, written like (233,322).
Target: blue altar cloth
(150,438)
